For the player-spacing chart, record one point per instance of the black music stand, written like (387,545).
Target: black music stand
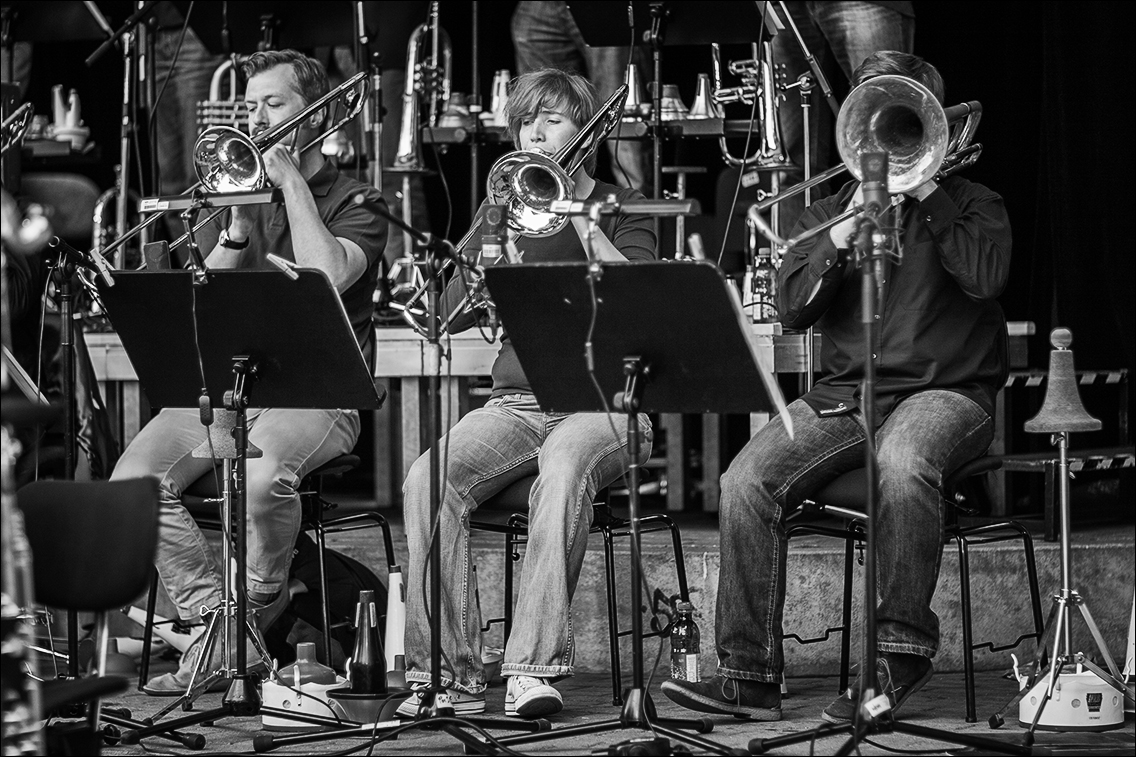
(651,354)
(252,333)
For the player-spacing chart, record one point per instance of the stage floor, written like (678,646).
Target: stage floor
(587,698)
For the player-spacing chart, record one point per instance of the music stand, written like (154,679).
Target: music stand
(650,354)
(253,334)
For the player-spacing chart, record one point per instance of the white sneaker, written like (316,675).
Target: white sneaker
(462,702)
(529,697)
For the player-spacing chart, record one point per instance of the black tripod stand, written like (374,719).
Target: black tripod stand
(297,357)
(657,342)
(873,710)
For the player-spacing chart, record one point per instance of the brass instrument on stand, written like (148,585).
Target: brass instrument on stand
(426,91)
(527,183)
(898,116)
(218,112)
(15,127)
(761,82)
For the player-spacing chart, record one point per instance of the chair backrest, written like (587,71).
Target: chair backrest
(92,542)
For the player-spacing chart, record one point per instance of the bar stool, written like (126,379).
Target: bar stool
(844,496)
(507,513)
(201,500)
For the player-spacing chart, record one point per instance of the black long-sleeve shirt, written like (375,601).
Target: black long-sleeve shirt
(940,326)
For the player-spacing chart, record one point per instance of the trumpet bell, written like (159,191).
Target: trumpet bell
(227,160)
(899,116)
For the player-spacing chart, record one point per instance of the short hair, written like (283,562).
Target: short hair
(311,76)
(554,89)
(893,63)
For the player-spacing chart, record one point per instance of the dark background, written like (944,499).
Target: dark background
(1055,80)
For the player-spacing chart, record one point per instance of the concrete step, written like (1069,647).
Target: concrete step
(1102,561)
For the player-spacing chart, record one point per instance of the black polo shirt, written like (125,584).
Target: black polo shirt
(940,327)
(348,208)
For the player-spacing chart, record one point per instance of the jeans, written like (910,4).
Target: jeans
(546,36)
(294,443)
(845,31)
(573,457)
(927,436)
(177,109)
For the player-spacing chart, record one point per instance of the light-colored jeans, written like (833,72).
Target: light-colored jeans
(573,456)
(294,443)
(927,436)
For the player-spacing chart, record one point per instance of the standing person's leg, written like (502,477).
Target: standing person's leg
(542,37)
(855,30)
(582,453)
(607,68)
(487,450)
(293,443)
(764,484)
(927,436)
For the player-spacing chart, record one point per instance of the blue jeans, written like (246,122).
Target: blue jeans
(573,457)
(927,436)
(845,31)
(546,35)
(294,443)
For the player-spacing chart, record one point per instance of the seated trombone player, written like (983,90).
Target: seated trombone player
(940,362)
(572,455)
(330,222)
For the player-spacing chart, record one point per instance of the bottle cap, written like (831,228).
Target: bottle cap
(684,607)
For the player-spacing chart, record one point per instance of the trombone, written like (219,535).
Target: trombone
(228,160)
(527,183)
(899,116)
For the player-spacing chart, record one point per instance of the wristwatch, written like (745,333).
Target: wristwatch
(224,241)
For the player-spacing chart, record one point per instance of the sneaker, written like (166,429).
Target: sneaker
(529,697)
(750,700)
(897,675)
(463,702)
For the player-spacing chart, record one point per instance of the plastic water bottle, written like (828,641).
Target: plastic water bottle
(685,644)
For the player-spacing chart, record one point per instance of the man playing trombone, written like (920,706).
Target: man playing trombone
(573,455)
(941,359)
(329,222)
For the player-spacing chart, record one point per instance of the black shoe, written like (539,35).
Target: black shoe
(751,700)
(897,675)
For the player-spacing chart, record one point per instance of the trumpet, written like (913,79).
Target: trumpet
(427,88)
(763,82)
(228,160)
(898,116)
(15,127)
(527,183)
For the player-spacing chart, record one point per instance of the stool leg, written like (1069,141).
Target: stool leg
(510,549)
(325,606)
(148,630)
(846,612)
(613,619)
(967,629)
(680,559)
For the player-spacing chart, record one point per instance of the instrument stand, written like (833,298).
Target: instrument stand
(874,715)
(299,358)
(636,341)
(1103,691)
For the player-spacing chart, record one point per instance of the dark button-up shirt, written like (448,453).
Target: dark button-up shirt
(940,326)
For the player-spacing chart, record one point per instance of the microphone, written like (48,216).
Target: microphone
(874,166)
(492,234)
(90,260)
